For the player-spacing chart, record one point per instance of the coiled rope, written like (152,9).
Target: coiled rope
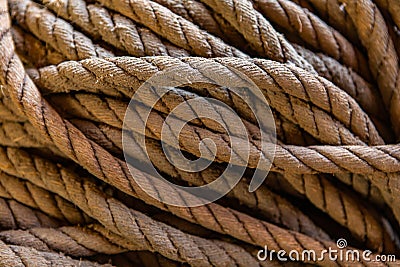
(328,70)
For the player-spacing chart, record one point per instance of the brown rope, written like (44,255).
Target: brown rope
(271,205)
(84,193)
(347,214)
(334,14)
(64,185)
(32,50)
(55,31)
(115,29)
(383,60)
(174,28)
(21,256)
(17,216)
(40,199)
(265,74)
(314,32)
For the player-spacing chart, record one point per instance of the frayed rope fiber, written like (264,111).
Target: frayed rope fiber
(77,177)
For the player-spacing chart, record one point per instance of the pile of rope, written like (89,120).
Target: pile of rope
(328,69)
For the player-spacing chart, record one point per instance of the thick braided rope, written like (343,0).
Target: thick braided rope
(138,41)
(383,60)
(54,31)
(272,206)
(346,213)
(330,193)
(304,89)
(287,155)
(392,7)
(314,32)
(37,198)
(64,83)
(174,28)
(302,160)
(346,79)
(7,110)
(111,139)
(21,256)
(85,193)
(257,31)
(14,215)
(32,50)
(137,227)
(282,211)
(334,14)
(114,29)
(11,56)
(201,15)
(19,134)
(363,222)
(23,134)
(81,241)
(111,112)
(73,241)
(50,81)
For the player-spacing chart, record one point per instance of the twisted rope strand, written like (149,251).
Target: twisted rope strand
(72,240)
(265,74)
(32,50)
(345,78)
(314,32)
(137,227)
(393,7)
(18,216)
(172,27)
(257,31)
(334,14)
(114,29)
(202,16)
(383,60)
(35,197)
(272,206)
(84,193)
(21,256)
(54,31)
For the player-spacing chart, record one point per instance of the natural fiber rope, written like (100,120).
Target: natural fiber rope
(21,256)
(116,30)
(334,14)
(17,216)
(314,32)
(64,186)
(38,198)
(265,74)
(383,60)
(347,210)
(83,193)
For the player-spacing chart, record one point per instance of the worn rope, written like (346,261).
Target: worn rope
(328,70)
(84,193)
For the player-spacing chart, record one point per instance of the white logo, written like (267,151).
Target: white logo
(341,243)
(141,119)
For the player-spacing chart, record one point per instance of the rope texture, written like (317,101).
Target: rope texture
(329,70)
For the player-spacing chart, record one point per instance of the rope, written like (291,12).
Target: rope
(314,32)
(329,71)
(25,256)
